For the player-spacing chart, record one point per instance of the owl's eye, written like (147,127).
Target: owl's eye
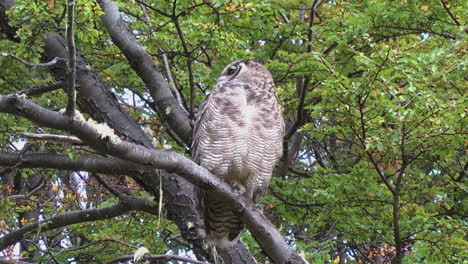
(231,70)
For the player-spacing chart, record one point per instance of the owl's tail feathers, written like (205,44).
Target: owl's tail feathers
(221,224)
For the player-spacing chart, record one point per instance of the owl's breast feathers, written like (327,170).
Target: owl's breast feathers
(238,131)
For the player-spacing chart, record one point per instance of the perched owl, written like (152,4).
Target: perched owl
(238,136)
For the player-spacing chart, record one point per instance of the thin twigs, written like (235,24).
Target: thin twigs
(305,83)
(450,13)
(173,87)
(61,138)
(107,186)
(38,90)
(175,20)
(71,60)
(155,257)
(31,64)
(300,110)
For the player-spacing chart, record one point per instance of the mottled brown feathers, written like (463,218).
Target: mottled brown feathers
(238,137)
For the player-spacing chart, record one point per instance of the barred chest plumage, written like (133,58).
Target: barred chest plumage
(238,137)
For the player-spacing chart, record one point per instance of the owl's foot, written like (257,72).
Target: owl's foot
(238,187)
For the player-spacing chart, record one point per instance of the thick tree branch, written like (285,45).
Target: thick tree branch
(144,66)
(93,96)
(64,162)
(264,232)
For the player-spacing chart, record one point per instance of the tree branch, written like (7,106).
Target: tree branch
(95,99)
(38,90)
(12,261)
(142,63)
(64,162)
(171,80)
(264,232)
(155,257)
(175,20)
(31,64)
(450,13)
(53,137)
(64,220)
(71,93)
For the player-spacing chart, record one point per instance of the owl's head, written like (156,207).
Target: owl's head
(246,71)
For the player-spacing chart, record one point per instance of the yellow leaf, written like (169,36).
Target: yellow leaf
(371,194)
(337,260)
(425,8)
(231,8)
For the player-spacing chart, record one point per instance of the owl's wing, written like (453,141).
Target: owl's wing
(196,129)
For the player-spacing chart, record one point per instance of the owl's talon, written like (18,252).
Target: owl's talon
(238,187)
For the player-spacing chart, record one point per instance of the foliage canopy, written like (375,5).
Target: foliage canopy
(374,93)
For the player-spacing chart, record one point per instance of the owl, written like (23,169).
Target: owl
(238,135)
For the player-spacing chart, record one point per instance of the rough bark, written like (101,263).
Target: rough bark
(142,63)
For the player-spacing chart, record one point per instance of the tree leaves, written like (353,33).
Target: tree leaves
(385,119)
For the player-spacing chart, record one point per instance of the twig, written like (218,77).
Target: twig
(330,49)
(153,8)
(284,17)
(54,137)
(175,20)
(4,260)
(450,13)
(300,111)
(173,87)
(42,88)
(31,64)
(282,199)
(301,173)
(148,257)
(45,251)
(71,60)
(107,186)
